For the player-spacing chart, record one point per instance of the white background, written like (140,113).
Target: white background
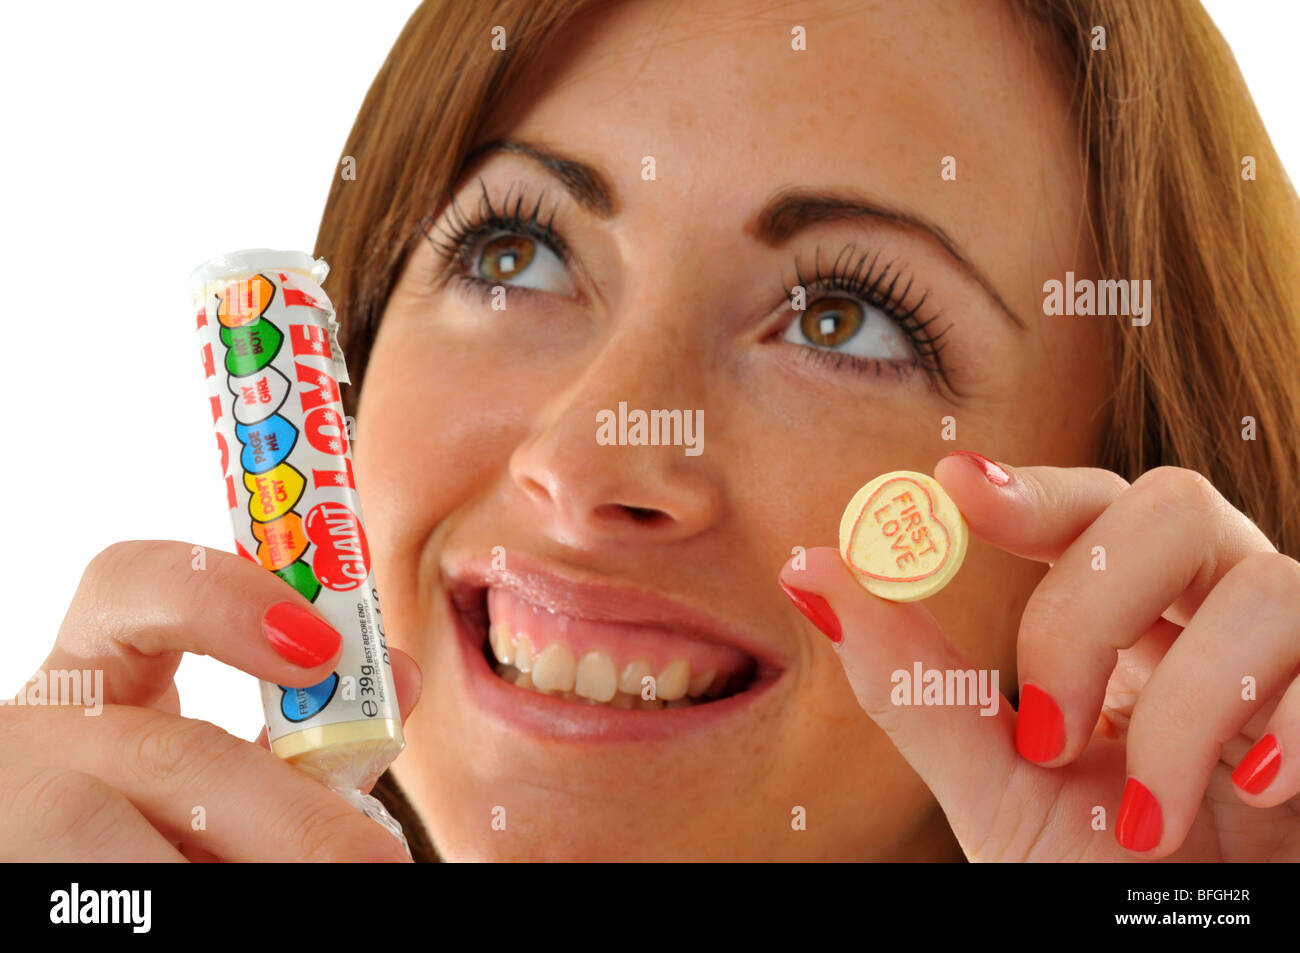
(137,144)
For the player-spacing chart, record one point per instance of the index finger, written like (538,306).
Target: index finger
(1033,512)
(142,603)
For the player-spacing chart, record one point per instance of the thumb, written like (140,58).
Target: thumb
(962,746)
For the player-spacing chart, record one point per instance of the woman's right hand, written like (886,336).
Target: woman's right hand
(1165,687)
(123,785)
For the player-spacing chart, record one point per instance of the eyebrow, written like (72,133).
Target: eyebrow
(788,211)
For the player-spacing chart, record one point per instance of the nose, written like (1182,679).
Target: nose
(589,493)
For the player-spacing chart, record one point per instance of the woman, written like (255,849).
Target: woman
(598,209)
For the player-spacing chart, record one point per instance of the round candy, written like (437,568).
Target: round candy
(902,536)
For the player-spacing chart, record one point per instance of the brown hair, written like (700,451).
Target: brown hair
(1164,121)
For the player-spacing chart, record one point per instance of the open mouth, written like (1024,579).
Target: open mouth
(553,647)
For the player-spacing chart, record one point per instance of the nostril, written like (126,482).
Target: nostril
(534,489)
(642,515)
(639,514)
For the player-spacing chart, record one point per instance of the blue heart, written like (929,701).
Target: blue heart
(265,443)
(299,704)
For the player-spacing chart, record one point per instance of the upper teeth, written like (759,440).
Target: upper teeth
(553,669)
(503,646)
(631,679)
(672,681)
(594,676)
(523,651)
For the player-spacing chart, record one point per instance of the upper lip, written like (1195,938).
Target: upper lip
(573,594)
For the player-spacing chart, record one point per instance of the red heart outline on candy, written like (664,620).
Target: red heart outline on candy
(342,558)
(929,518)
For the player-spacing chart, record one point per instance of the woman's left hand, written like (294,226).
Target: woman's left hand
(1186,643)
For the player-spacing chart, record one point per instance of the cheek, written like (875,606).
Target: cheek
(428,437)
(1041,403)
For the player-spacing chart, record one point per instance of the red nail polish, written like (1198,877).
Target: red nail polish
(1040,727)
(817,609)
(992,472)
(298,635)
(1139,824)
(1260,766)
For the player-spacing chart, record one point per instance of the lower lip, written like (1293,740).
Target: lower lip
(555,719)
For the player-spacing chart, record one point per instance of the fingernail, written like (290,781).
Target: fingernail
(1260,766)
(992,472)
(1040,728)
(1138,827)
(817,609)
(298,635)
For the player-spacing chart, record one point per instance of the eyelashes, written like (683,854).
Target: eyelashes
(463,233)
(863,277)
(876,284)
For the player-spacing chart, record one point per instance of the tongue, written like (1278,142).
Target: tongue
(622,643)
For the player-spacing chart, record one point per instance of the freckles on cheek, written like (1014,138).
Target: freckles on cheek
(429,437)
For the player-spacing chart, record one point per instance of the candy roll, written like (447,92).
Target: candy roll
(270,353)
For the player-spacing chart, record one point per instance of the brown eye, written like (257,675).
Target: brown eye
(838,322)
(831,321)
(506,257)
(513,260)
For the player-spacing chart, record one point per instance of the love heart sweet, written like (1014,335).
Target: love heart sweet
(903,536)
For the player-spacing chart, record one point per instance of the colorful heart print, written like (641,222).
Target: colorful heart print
(251,347)
(274,492)
(259,395)
(281,541)
(299,704)
(265,444)
(299,575)
(902,536)
(244,301)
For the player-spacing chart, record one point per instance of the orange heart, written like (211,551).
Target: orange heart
(282,541)
(243,301)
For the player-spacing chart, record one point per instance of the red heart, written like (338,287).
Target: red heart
(342,558)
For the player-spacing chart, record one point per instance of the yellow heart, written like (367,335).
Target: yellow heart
(902,536)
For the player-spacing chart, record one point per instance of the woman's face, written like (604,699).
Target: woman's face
(497,490)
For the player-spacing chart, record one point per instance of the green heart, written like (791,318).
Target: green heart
(251,346)
(299,575)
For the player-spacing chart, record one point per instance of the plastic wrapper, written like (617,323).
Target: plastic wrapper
(269,346)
